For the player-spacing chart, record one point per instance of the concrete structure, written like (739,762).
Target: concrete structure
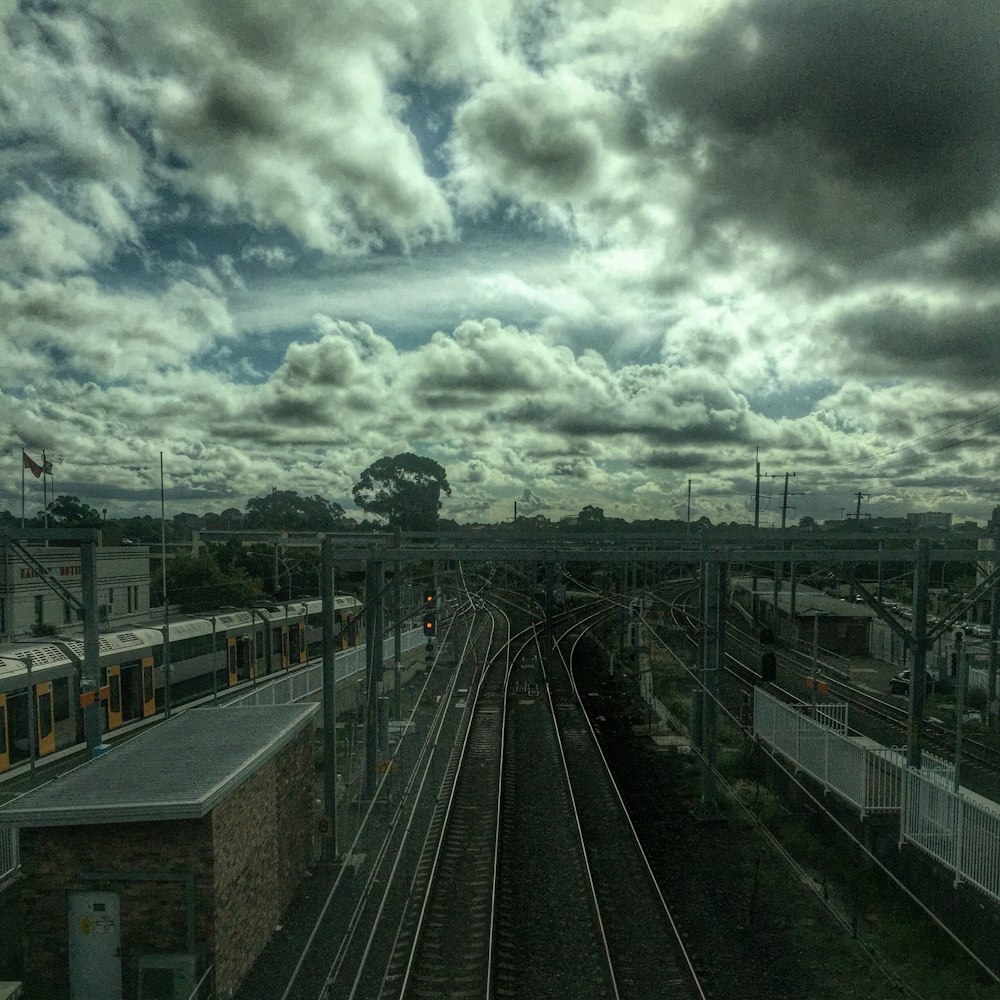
(28,604)
(180,848)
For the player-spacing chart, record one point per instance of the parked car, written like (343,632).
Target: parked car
(900,684)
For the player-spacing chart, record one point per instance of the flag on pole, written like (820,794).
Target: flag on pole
(36,469)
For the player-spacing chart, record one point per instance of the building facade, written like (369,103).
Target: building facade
(30,606)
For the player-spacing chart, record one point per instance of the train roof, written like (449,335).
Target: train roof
(48,661)
(43,653)
(115,643)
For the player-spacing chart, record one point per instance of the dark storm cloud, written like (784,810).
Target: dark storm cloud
(892,336)
(854,126)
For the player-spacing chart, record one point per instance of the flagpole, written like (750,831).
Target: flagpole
(166,607)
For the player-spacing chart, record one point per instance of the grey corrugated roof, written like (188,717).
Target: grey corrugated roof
(181,769)
(808,602)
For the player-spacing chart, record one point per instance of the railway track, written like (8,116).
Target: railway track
(880,718)
(540,887)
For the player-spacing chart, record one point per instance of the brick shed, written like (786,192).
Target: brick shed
(188,840)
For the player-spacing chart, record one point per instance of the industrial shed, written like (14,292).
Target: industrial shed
(804,615)
(174,852)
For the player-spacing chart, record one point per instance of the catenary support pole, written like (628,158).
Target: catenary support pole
(373,669)
(915,729)
(91,677)
(329,827)
(397,630)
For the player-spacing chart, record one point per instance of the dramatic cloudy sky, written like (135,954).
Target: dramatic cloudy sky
(578,251)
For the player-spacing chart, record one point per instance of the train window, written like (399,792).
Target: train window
(260,644)
(44,715)
(276,640)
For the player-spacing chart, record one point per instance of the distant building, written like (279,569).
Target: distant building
(886,523)
(803,615)
(929,519)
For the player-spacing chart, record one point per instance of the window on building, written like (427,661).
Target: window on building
(128,594)
(39,609)
(3,615)
(111,600)
(67,613)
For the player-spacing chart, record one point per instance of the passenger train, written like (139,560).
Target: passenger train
(40,711)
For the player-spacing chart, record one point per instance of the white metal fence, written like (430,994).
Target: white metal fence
(958,829)
(858,770)
(283,689)
(10,858)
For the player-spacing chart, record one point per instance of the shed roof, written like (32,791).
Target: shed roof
(181,769)
(809,603)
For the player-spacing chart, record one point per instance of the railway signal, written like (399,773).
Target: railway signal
(429,608)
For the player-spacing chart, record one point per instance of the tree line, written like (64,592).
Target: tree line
(403,490)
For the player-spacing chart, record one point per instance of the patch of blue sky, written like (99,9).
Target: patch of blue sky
(792,401)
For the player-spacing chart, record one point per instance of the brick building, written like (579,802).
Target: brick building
(177,851)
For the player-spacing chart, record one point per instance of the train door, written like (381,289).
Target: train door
(258,654)
(45,718)
(297,643)
(284,647)
(4,736)
(148,687)
(250,652)
(231,670)
(244,658)
(113,679)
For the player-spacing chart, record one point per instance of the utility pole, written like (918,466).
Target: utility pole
(779,568)
(688,532)
(756,495)
(860,496)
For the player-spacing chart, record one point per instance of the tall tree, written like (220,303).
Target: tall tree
(404,490)
(71,511)
(285,510)
(591,518)
(200,584)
